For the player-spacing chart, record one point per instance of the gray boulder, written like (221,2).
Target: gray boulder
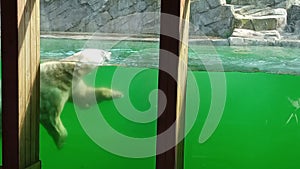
(293,19)
(208,20)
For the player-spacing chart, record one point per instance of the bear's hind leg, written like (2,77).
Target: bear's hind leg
(51,106)
(56,129)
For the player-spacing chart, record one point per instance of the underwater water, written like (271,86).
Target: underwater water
(254,130)
(80,151)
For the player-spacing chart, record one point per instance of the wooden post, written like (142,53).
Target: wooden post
(20,40)
(173,42)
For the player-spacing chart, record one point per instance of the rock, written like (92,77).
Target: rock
(242,37)
(102,18)
(271,3)
(222,28)
(211,17)
(293,14)
(214,22)
(90,15)
(63,23)
(91,26)
(290,43)
(273,34)
(290,3)
(281,5)
(216,3)
(261,19)
(134,24)
(297,27)
(246,33)
(199,6)
(141,6)
(236,41)
(94,4)
(293,19)
(121,8)
(216,15)
(220,42)
(253,2)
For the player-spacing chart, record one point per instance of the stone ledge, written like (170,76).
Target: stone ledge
(195,40)
(239,41)
(100,36)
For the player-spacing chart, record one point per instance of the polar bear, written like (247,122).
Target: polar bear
(61,81)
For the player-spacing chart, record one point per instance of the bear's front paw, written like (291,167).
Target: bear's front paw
(107,94)
(116,94)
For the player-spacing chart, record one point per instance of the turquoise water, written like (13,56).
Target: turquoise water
(253,131)
(278,60)
(80,151)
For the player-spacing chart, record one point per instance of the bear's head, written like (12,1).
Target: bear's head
(87,60)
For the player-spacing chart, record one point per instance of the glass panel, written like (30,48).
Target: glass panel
(245,62)
(102,132)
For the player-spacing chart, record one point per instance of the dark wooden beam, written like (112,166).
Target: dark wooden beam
(20,83)
(10,95)
(172,81)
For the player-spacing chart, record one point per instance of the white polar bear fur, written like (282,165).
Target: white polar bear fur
(56,81)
